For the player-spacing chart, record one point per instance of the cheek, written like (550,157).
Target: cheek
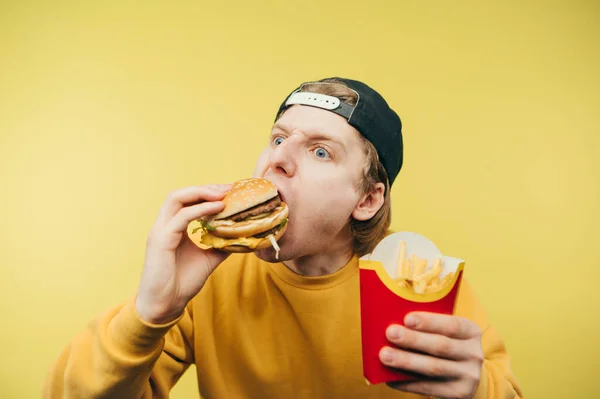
(332,200)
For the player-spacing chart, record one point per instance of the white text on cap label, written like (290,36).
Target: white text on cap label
(314,99)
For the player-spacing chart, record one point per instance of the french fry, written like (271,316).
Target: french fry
(409,267)
(429,275)
(419,267)
(400,268)
(434,287)
(404,284)
(420,286)
(436,279)
(406,269)
(446,280)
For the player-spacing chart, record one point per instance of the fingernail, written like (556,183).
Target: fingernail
(387,355)
(395,332)
(411,321)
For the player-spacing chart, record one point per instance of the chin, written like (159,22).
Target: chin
(269,254)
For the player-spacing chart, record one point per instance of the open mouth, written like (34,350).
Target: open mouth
(281,194)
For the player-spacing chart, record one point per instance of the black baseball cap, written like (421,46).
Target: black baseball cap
(371,116)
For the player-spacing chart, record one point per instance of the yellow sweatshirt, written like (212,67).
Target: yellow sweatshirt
(255,330)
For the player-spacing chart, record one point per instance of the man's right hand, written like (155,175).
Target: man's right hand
(175,269)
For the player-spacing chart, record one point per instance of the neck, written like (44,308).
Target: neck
(320,264)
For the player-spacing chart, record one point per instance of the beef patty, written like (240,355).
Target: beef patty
(257,210)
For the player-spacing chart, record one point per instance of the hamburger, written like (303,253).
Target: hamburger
(254,218)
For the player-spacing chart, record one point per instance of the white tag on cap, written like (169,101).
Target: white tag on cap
(313,99)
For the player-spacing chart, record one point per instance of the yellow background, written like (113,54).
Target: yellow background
(107,106)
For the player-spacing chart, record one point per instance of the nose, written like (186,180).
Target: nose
(282,160)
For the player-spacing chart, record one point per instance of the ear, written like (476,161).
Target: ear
(370,203)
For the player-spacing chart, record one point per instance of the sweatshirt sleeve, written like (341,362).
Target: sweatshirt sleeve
(497,379)
(119,355)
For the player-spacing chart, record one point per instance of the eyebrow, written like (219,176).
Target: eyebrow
(314,135)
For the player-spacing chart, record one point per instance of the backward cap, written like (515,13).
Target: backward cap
(376,121)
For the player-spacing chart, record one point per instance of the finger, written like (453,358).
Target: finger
(435,388)
(185,215)
(448,325)
(432,344)
(189,195)
(215,256)
(419,363)
(420,387)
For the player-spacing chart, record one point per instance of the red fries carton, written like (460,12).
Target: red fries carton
(389,290)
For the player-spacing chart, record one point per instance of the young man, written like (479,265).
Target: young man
(258,327)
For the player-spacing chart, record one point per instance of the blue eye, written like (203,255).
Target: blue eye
(322,153)
(278,140)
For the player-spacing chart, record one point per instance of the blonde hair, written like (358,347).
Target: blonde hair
(368,233)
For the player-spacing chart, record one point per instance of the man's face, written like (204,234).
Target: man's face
(315,158)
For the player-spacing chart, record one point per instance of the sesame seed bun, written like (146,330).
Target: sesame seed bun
(246,194)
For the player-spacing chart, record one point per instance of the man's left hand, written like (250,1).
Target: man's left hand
(445,350)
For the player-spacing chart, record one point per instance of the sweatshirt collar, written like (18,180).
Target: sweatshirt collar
(315,282)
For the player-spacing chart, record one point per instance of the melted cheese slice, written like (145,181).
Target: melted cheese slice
(218,242)
(206,241)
